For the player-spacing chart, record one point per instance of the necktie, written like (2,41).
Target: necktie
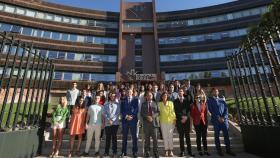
(150,109)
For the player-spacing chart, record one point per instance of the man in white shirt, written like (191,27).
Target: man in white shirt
(72,95)
(94,123)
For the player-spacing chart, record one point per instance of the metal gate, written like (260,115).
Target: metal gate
(255,75)
(25,84)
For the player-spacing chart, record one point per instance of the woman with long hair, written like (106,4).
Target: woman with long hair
(77,125)
(167,121)
(58,124)
(199,115)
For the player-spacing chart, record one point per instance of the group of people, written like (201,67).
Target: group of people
(157,108)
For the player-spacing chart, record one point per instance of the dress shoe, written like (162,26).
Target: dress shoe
(85,154)
(123,155)
(220,153)
(191,154)
(182,154)
(231,153)
(171,153)
(206,153)
(156,155)
(147,154)
(134,155)
(96,154)
(166,153)
(200,153)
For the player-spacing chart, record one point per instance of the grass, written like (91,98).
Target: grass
(259,105)
(53,102)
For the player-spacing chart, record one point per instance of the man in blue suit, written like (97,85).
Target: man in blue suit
(129,112)
(219,118)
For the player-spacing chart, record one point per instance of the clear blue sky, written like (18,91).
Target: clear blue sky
(161,5)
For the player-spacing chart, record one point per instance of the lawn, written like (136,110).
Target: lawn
(258,107)
(53,102)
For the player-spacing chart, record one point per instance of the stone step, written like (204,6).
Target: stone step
(210,140)
(66,136)
(238,148)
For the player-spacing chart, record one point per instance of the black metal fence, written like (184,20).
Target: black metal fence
(25,83)
(255,72)
(255,75)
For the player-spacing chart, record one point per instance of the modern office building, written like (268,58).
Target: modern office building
(90,45)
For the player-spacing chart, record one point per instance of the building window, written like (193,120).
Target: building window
(20,11)
(16,29)
(49,17)
(61,55)
(9,9)
(40,15)
(58,18)
(37,33)
(5,27)
(56,36)
(73,38)
(52,55)
(67,76)
(27,31)
(30,13)
(58,75)
(64,37)
(86,77)
(66,19)
(70,56)
(47,34)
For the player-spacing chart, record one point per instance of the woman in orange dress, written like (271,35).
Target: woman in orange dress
(77,125)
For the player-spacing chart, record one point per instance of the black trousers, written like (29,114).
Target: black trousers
(184,133)
(201,132)
(150,131)
(111,134)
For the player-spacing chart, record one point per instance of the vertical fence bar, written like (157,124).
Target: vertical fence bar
(38,91)
(229,65)
(243,112)
(43,91)
(45,110)
(3,43)
(252,76)
(248,112)
(262,49)
(254,115)
(9,81)
(33,89)
(28,51)
(15,90)
(274,50)
(28,87)
(260,83)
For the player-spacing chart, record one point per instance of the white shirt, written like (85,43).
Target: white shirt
(198,106)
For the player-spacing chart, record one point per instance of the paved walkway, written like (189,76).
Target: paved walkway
(213,155)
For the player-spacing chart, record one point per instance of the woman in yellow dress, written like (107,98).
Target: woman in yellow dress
(167,122)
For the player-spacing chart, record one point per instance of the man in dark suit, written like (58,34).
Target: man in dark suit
(129,112)
(149,113)
(219,118)
(182,111)
(189,91)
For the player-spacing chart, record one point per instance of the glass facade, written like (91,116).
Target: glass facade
(197,55)
(51,54)
(56,35)
(197,75)
(204,37)
(138,24)
(69,76)
(213,19)
(55,17)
